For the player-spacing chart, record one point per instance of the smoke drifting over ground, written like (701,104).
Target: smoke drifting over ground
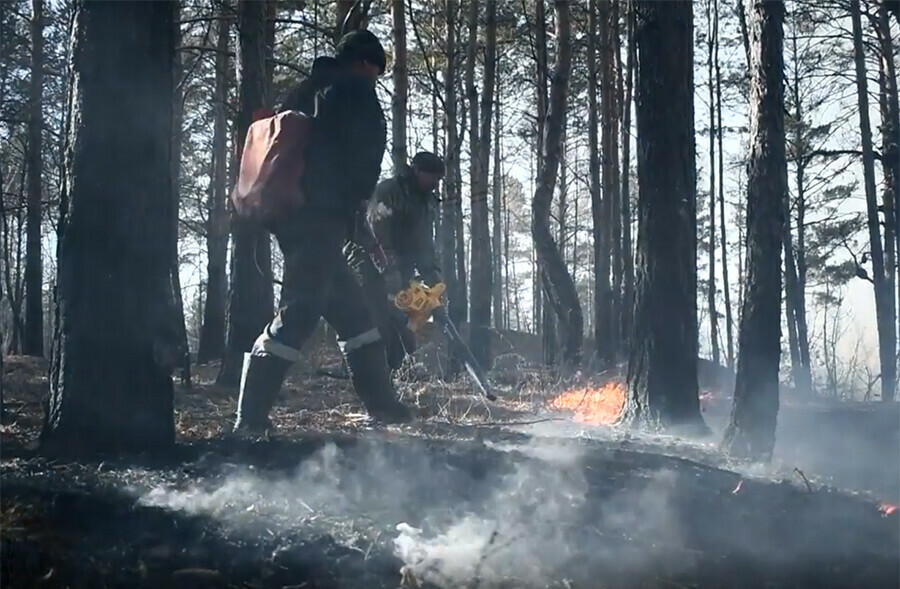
(525,517)
(562,514)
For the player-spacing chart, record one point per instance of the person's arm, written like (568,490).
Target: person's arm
(384,209)
(351,119)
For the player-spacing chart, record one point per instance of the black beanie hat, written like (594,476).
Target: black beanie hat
(361,45)
(427,162)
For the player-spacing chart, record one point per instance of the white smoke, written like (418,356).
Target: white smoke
(524,518)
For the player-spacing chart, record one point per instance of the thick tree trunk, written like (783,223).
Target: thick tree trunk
(560,288)
(662,367)
(711,248)
(754,414)
(33,340)
(627,254)
(881,276)
(179,326)
(250,301)
(401,87)
(212,333)
(110,383)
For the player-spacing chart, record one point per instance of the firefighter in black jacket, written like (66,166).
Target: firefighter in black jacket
(401,213)
(343,164)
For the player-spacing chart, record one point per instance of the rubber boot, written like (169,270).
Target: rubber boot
(373,385)
(261,380)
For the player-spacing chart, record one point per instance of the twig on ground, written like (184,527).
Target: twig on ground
(805,480)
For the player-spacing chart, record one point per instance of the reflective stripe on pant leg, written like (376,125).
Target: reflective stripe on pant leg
(363,339)
(266,344)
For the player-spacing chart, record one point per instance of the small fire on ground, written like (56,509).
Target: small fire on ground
(597,406)
(604,405)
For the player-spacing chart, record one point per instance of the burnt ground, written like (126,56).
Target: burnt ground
(462,498)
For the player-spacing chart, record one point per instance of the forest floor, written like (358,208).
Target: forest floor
(514,496)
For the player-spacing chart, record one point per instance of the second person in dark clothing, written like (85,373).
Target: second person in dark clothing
(343,163)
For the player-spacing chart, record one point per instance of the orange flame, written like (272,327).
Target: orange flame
(599,406)
(887,508)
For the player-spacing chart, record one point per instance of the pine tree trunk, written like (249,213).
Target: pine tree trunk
(881,276)
(601,334)
(401,87)
(497,208)
(615,209)
(711,249)
(33,338)
(751,431)
(179,326)
(726,285)
(110,383)
(890,135)
(480,141)
(606,329)
(212,333)
(662,367)
(559,286)
(250,301)
(627,254)
(451,199)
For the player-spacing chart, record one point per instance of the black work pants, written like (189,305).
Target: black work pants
(317,283)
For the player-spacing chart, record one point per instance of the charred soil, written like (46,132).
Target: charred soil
(450,502)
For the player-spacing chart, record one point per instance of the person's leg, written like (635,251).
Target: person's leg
(363,348)
(311,251)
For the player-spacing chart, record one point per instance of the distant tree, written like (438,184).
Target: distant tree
(110,378)
(33,341)
(212,333)
(882,270)
(251,297)
(751,430)
(662,367)
(558,283)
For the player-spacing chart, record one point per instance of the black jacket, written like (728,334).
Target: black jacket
(343,160)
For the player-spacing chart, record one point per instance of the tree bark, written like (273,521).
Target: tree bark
(606,328)
(559,286)
(627,255)
(401,87)
(663,392)
(497,207)
(212,333)
(110,383)
(451,200)
(751,431)
(33,340)
(711,249)
(890,135)
(250,301)
(601,274)
(615,206)
(881,276)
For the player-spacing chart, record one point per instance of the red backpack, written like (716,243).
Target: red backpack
(272,165)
